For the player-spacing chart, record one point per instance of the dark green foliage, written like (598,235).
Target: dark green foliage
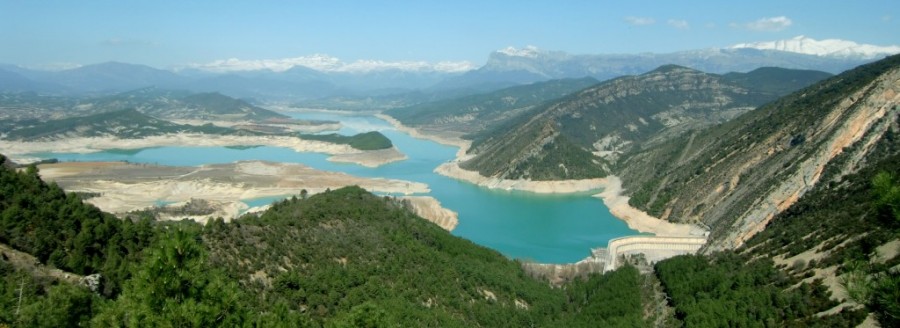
(885,300)
(43,302)
(729,290)
(174,287)
(372,140)
(775,80)
(344,255)
(610,300)
(886,189)
(59,229)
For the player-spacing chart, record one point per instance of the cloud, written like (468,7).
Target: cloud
(679,24)
(767,24)
(640,21)
(887,18)
(327,63)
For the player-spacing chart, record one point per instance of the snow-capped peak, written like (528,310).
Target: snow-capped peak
(828,47)
(528,51)
(325,63)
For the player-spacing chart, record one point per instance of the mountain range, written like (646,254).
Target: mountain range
(582,135)
(290,80)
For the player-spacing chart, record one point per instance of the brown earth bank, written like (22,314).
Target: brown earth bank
(18,150)
(123,187)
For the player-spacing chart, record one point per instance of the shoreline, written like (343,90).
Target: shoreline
(17,150)
(124,187)
(431,209)
(611,186)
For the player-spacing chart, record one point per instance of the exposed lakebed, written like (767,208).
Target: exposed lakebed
(546,228)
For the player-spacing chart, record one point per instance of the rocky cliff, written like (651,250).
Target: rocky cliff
(737,176)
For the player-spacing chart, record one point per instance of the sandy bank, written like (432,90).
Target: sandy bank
(370,158)
(126,187)
(431,209)
(640,220)
(442,138)
(17,150)
(453,170)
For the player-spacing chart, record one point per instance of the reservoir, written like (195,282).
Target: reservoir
(544,228)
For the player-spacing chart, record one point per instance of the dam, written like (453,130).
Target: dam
(605,259)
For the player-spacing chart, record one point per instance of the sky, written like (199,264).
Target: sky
(173,34)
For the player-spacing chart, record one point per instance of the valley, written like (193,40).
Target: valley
(283,166)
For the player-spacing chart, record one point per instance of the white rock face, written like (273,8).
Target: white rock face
(828,47)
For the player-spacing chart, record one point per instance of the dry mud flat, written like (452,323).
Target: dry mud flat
(125,187)
(18,150)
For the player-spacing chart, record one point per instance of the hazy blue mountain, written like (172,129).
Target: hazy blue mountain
(15,82)
(114,76)
(530,64)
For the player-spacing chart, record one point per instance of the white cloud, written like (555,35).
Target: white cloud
(327,63)
(640,21)
(887,18)
(768,24)
(529,51)
(679,24)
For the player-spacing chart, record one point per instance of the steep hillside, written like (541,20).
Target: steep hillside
(775,80)
(127,123)
(582,135)
(342,258)
(471,114)
(737,176)
(160,103)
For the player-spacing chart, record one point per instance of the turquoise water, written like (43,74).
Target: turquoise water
(543,228)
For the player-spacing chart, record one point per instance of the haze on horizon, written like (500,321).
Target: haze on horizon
(452,35)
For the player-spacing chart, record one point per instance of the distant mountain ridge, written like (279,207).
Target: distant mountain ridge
(526,66)
(290,80)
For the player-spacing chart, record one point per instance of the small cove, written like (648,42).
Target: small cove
(538,227)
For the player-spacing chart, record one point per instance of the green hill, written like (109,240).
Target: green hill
(372,140)
(775,80)
(171,104)
(472,114)
(341,258)
(582,135)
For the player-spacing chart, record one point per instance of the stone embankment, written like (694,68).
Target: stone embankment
(604,259)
